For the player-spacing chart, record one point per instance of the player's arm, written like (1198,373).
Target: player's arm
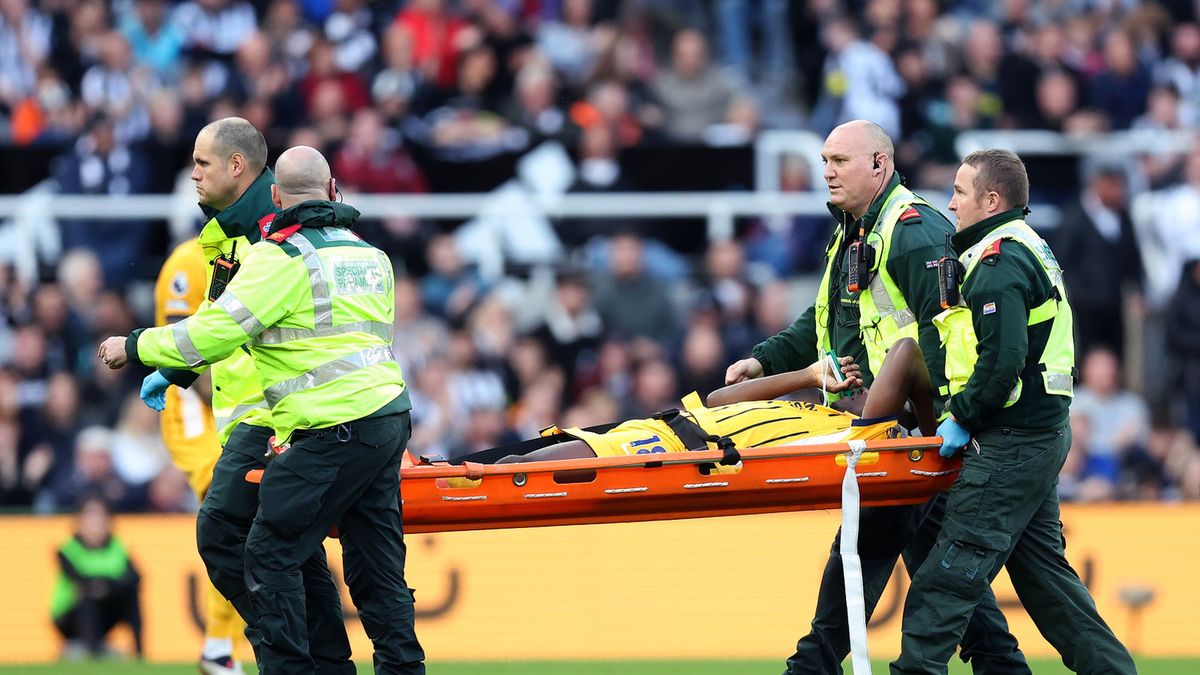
(922,242)
(774,386)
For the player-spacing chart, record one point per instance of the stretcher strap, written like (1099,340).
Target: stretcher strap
(852,565)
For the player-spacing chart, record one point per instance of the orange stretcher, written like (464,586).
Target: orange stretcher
(442,497)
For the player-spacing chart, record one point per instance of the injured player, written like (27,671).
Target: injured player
(745,413)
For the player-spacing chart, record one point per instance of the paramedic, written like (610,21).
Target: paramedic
(314,304)
(234,188)
(880,284)
(1009,400)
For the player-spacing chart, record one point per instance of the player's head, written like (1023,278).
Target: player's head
(858,161)
(987,183)
(228,156)
(301,174)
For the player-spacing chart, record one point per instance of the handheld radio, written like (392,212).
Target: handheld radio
(950,272)
(224,267)
(862,259)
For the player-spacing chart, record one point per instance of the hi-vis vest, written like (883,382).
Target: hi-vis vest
(315,311)
(236,394)
(1057,361)
(884,315)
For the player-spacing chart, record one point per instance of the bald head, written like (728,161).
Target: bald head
(858,164)
(302,173)
(867,135)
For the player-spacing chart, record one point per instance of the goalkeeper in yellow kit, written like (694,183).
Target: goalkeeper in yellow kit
(190,434)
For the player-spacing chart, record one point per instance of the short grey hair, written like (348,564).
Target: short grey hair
(235,135)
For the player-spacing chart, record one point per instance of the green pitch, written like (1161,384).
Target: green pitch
(1044,667)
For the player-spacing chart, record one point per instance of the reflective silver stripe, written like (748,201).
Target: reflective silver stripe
(274,336)
(237,412)
(883,303)
(1059,382)
(329,372)
(239,313)
(187,348)
(322,302)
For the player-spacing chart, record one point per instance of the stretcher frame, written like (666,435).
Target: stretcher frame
(665,486)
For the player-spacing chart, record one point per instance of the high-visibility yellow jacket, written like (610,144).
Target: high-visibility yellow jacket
(237,396)
(313,305)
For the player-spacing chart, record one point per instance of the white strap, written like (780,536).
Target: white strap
(856,611)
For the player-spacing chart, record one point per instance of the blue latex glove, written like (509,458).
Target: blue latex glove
(154,391)
(954,437)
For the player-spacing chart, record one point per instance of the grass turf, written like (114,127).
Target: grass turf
(1041,667)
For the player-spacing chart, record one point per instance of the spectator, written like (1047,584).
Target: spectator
(1096,243)
(395,84)
(156,42)
(137,449)
(534,106)
(734,19)
(654,389)
(115,88)
(630,302)
(860,82)
(1182,69)
(1057,100)
(451,288)
(98,586)
(571,328)
(47,437)
(1119,420)
(325,78)
(373,158)
(1183,341)
(607,103)
(1164,112)
(437,38)
(349,29)
(571,44)
(693,94)
(24,45)
(101,164)
(91,474)
(1120,90)
(702,360)
(214,28)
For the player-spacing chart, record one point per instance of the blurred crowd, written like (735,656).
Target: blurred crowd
(627,325)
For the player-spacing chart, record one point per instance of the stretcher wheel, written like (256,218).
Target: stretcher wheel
(916,454)
(520,479)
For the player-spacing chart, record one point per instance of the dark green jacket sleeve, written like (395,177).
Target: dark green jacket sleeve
(998,295)
(793,348)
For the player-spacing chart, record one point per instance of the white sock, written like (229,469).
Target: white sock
(215,648)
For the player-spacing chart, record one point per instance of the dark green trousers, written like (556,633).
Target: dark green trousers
(348,476)
(885,534)
(221,529)
(1003,511)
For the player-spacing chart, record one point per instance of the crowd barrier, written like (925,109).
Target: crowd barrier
(726,588)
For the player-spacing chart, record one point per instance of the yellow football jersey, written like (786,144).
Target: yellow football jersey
(188,428)
(752,424)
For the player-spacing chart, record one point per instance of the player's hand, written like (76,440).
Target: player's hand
(154,391)
(746,369)
(954,437)
(112,352)
(851,374)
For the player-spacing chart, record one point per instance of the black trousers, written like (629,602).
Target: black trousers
(98,613)
(886,533)
(348,476)
(221,529)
